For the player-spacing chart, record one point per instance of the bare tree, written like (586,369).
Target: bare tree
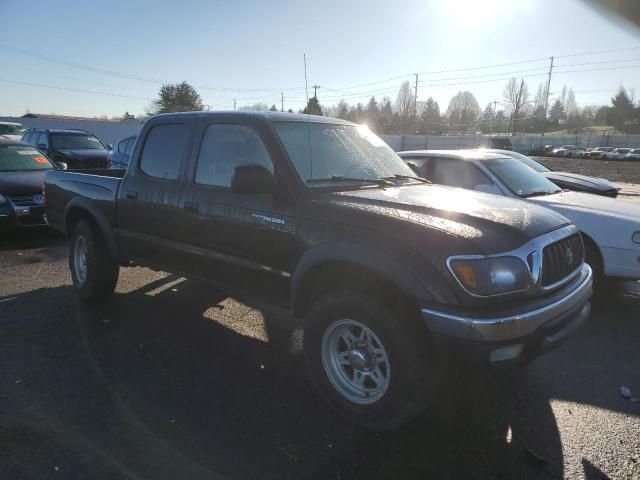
(404,103)
(463,108)
(516,95)
(570,104)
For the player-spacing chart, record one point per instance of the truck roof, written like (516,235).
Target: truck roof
(266,115)
(466,154)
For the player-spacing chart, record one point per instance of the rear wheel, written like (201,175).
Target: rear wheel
(367,361)
(93,270)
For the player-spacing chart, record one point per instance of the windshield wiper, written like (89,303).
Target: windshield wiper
(340,179)
(539,193)
(407,177)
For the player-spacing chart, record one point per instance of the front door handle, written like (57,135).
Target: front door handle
(132,195)
(191,207)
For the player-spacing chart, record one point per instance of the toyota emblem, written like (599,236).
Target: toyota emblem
(568,256)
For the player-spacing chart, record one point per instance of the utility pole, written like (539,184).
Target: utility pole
(315,90)
(415,103)
(234,103)
(282,101)
(546,100)
(493,119)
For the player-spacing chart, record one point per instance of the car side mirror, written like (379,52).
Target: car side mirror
(42,146)
(413,167)
(62,165)
(254,179)
(109,147)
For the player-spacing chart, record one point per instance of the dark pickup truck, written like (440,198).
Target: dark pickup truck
(390,275)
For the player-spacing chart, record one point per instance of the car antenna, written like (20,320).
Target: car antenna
(306,90)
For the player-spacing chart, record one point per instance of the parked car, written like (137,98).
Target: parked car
(22,171)
(634,154)
(568,151)
(617,154)
(79,149)
(11,130)
(119,157)
(599,152)
(610,228)
(569,181)
(383,269)
(542,151)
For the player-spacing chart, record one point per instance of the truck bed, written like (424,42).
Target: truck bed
(95,189)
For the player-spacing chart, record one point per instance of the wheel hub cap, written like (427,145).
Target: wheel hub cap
(355,361)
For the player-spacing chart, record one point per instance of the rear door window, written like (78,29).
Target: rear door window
(164,150)
(459,173)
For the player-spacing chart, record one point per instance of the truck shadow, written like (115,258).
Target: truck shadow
(174,380)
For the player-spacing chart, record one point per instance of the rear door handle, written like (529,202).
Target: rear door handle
(131,195)
(191,207)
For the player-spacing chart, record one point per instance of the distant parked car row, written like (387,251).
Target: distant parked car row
(605,153)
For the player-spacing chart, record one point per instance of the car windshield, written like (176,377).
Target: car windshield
(11,129)
(529,162)
(15,158)
(519,178)
(325,154)
(75,140)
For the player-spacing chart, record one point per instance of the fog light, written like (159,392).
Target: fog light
(506,353)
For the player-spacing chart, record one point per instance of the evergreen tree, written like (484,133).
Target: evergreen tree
(178,97)
(313,107)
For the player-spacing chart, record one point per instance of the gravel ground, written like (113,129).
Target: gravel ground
(615,171)
(173,379)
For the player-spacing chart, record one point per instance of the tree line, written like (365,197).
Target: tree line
(517,112)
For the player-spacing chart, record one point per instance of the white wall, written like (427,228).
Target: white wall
(112,132)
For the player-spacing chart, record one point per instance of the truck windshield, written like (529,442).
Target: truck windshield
(519,178)
(73,140)
(325,154)
(15,158)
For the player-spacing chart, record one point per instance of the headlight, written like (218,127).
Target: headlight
(491,276)
(3,199)
(634,238)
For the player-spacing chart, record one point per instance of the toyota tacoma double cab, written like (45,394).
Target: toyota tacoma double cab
(390,275)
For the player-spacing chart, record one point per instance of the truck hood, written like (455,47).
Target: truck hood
(493,223)
(17,183)
(585,203)
(84,153)
(568,180)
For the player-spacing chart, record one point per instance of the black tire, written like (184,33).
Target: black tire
(414,370)
(102,271)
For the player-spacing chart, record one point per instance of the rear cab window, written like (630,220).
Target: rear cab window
(163,151)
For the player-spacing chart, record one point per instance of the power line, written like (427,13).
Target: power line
(75,90)
(598,52)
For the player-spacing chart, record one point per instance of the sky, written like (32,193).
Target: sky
(253,50)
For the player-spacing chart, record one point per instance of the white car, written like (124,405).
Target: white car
(12,131)
(634,154)
(617,154)
(610,228)
(568,151)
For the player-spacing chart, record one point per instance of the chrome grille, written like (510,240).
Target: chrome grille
(561,258)
(22,200)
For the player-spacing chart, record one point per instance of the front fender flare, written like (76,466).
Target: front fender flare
(411,275)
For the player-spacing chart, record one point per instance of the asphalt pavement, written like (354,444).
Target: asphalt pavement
(172,379)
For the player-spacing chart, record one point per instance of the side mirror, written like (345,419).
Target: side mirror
(254,179)
(62,165)
(413,167)
(109,147)
(42,146)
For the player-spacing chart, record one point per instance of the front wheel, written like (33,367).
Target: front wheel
(369,363)
(93,270)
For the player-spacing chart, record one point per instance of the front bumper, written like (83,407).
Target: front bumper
(520,336)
